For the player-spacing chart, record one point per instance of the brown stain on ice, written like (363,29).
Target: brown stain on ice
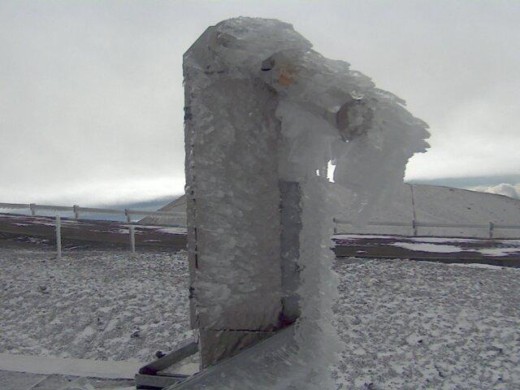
(286,77)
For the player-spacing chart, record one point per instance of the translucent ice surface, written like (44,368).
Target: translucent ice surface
(266,117)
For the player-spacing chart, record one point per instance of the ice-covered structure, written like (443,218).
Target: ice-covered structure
(265,118)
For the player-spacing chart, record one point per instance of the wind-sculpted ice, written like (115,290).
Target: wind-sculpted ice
(265,117)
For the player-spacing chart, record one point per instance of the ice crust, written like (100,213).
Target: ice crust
(263,108)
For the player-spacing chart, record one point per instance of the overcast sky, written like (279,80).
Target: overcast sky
(91,96)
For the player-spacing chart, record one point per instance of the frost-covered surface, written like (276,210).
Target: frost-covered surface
(404,324)
(92,305)
(262,110)
(411,325)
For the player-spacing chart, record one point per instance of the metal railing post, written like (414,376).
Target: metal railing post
(132,238)
(77,210)
(58,236)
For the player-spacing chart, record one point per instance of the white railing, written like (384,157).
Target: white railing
(77,211)
(415,225)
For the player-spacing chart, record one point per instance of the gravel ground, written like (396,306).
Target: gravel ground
(406,325)
(419,325)
(92,305)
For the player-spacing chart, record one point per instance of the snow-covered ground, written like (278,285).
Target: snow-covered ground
(420,325)
(406,325)
(92,304)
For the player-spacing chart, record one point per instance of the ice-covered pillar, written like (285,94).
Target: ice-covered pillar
(233,195)
(265,115)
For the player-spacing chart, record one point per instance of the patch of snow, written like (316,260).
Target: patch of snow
(498,252)
(173,230)
(423,247)
(443,239)
(483,266)
(361,236)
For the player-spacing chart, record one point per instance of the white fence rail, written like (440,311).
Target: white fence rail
(77,211)
(415,225)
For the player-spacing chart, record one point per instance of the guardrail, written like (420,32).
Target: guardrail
(128,213)
(77,211)
(415,225)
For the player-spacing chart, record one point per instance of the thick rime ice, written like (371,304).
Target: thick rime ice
(265,118)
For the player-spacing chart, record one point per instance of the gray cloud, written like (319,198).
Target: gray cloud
(505,189)
(91,92)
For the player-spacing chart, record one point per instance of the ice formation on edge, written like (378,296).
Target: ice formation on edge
(265,116)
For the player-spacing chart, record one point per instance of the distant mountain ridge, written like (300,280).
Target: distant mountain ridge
(508,185)
(147,205)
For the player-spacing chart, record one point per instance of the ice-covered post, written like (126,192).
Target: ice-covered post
(75,209)
(58,236)
(491,230)
(233,203)
(265,115)
(131,230)
(128,216)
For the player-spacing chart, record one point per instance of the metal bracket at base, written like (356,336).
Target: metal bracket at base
(150,377)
